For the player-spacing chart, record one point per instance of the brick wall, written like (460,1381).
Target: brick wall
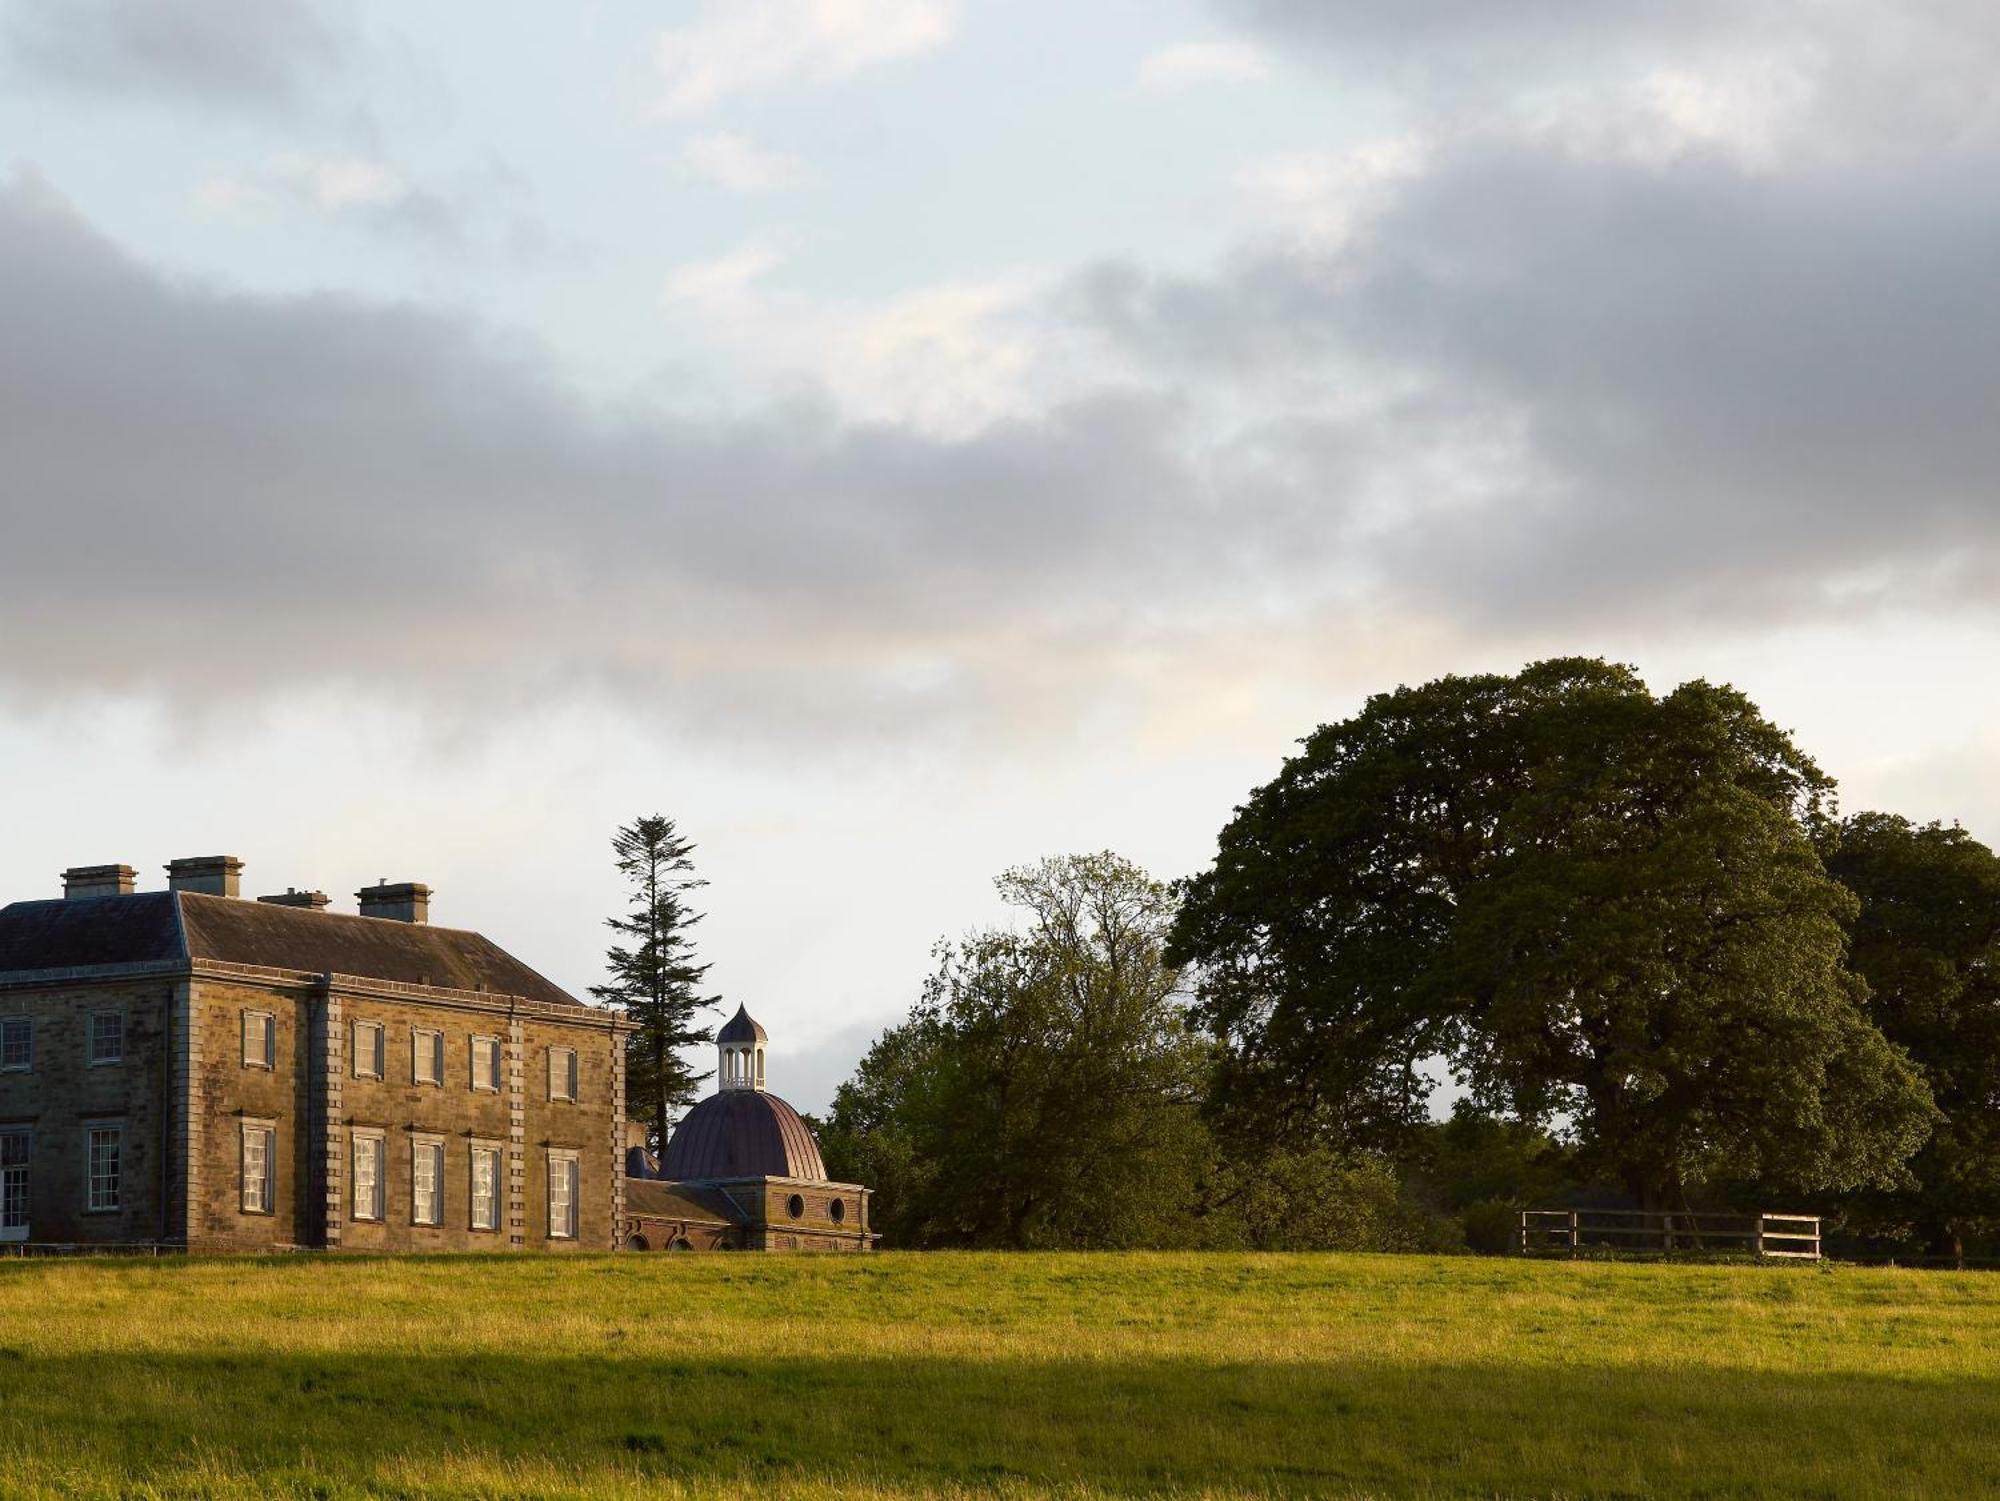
(817,1202)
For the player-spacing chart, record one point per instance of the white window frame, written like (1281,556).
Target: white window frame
(267,1039)
(95,1059)
(377,1152)
(495,1076)
(15,1181)
(434,1047)
(489,1150)
(427,1151)
(376,1055)
(568,1074)
(259,1189)
(564,1167)
(23,1029)
(104,1192)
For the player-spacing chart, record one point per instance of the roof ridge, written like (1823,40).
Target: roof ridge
(315,913)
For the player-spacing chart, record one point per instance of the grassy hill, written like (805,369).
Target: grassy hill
(907,1375)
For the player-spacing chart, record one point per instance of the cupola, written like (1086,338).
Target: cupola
(739,1053)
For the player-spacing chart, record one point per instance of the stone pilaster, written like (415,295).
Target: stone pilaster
(330,1153)
(184,1126)
(517,1136)
(617,1140)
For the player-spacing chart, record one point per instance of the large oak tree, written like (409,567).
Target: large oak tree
(1600,908)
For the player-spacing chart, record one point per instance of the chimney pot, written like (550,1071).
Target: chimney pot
(313,901)
(401,901)
(82,881)
(207,875)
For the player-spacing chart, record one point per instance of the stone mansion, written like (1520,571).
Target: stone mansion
(188,1069)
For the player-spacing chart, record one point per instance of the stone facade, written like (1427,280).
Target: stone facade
(62,1099)
(190,1070)
(216,1105)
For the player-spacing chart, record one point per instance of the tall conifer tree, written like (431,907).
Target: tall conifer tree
(655,980)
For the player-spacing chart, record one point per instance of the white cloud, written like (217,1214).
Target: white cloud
(741,166)
(332,185)
(1323,196)
(724,280)
(944,361)
(1203,62)
(746,44)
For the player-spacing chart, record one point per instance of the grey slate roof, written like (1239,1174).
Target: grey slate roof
(143,929)
(680,1201)
(153,927)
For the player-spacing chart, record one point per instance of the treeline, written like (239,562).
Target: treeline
(1632,931)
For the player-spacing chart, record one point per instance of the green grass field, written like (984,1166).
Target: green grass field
(944,1375)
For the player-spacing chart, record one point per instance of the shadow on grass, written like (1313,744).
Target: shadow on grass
(335,1425)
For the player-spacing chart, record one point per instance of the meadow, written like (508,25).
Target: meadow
(945,1375)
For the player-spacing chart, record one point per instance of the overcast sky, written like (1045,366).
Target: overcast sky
(900,439)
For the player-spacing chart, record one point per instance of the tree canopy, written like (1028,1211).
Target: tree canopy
(1044,1090)
(1600,908)
(1927,940)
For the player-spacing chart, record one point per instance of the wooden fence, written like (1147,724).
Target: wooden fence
(1570,1231)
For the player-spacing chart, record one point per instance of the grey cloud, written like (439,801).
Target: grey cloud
(1418,28)
(1656,388)
(261,55)
(1832,77)
(209,493)
(1533,35)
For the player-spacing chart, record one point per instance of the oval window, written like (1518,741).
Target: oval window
(797,1205)
(838,1209)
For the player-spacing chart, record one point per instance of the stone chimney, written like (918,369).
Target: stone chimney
(81,881)
(208,875)
(291,896)
(405,901)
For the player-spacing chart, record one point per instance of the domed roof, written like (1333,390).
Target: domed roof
(740,1028)
(742,1133)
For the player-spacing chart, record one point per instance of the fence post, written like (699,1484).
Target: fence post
(1757,1238)
(1575,1241)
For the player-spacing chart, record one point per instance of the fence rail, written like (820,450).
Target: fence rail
(90,1248)
(1766,1233)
